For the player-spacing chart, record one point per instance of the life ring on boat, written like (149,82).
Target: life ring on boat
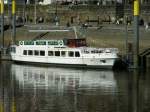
(60,42)
(21,42)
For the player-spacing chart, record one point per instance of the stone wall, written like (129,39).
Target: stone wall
(80,13)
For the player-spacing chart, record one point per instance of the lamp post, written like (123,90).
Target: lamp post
(35,13)
(2,21)
(24,12)
(126,35)
(136,34)
(56,15)
(14,21)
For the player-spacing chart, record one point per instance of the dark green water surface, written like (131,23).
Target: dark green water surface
(28,88)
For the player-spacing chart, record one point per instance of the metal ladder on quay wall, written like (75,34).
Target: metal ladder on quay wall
(5,54)
(144,58)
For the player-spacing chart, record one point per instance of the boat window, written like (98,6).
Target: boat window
(42,53)
(63,53)
(71,53)
(30,52)
(100,51)
(36,53)
(57,53)
(87,52)
(50,53)
(103,61)
(77,54)
(95,51)
(92,52)
(24,52)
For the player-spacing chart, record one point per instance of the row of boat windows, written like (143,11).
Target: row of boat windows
(52,53)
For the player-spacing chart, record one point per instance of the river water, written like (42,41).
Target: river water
(28,88)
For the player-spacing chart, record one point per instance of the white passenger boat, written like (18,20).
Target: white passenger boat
(64,52)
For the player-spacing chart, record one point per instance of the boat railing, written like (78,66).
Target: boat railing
(42,43)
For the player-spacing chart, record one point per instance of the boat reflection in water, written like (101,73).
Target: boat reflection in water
(47,89)
(63,78)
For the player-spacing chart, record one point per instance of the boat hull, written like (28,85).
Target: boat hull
(64,65)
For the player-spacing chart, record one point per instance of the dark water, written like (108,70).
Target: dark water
(25,88)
